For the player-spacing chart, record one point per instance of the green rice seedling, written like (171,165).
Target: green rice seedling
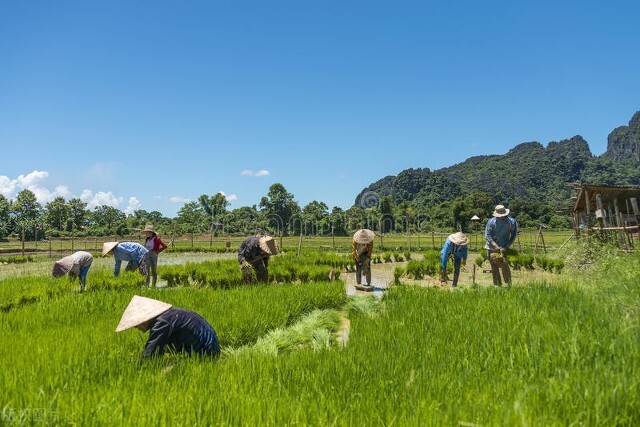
(431,262)
(386,256)
(543,262)
(407,256)
(415,269)
(397,257)
(397,274)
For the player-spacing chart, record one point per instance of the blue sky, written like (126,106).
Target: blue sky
(148,104)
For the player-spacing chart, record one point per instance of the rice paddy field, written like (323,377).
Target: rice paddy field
(556,348)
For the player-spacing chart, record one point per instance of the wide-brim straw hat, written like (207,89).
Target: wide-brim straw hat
(108,247)
(364,235)
(149,229)
(269,245)
(500,211)
(459,239)
(62,266)
(139,310)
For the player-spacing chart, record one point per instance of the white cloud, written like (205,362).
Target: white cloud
(32,182)
(257,174)
(178,199)
(100,198)
(7,186)
(230,197)
(134,205)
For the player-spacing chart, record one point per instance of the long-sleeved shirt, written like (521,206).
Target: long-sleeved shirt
(458,251)
(128,251)
(155,244)
(80,259)
(251,252)
(502,232)
(179,330)
(360,251)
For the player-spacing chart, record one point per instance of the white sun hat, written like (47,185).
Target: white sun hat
(268,244)
(364,235)
(500,211)
(139,310)
(108,247)
(459,239)
(62,266)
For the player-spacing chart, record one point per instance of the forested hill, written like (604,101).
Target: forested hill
(529,170)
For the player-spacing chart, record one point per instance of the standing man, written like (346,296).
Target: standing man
(136,255)
(456,246)
(254,254)
(361,251)
(500,233)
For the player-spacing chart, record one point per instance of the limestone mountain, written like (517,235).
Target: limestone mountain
(529,171)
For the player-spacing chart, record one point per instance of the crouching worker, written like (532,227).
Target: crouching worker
(254,254)
(361,250)
(456,246)
(76,265)
(136,255)
(171,329)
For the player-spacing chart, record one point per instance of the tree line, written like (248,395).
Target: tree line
(277,213)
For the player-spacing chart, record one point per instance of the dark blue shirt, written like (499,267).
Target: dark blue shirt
(179,330)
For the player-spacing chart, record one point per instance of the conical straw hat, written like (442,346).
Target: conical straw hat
(149,229)
(108,247)
(364,236)
(269,245)
(62,266)
(139,310)
(459,239)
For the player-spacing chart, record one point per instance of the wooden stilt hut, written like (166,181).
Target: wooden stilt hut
(611,212)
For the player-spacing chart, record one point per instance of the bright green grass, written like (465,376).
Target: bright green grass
(538,354)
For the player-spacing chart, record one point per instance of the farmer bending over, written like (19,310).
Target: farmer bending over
(172,329)
(136,255)
(254,254)
(456,246)
(361,250)
(76,265)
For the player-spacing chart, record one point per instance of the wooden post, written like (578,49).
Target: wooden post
(587,202)
(299,244)
(333,237)
(49,248)
(23,239)
(474,274)
(600,212)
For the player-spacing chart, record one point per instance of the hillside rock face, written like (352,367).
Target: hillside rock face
(623,143)
(529,171)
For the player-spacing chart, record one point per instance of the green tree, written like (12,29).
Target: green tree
(5,218)
(28,214)
(107,220)
(387,220)
(77,217)
(191,218)
(337,221)
(314,215)
(56,214)
(279,207)
(214,207)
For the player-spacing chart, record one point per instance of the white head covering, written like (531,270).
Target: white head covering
(364,236)
(108,247)
(139,310)
(268,244)
(459,239)
(500,211)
